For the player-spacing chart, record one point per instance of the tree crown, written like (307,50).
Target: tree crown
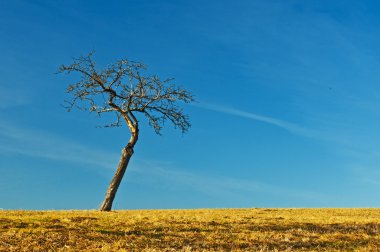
(122,88)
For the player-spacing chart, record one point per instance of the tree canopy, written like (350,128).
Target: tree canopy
(122,89)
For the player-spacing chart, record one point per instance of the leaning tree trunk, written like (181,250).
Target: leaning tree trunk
(121,168)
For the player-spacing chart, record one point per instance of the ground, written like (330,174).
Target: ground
(192,230)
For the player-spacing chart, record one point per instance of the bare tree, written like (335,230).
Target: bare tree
(123,90)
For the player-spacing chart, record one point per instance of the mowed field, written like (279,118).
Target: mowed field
(192,230)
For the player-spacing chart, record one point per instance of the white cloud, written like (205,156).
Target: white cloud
(291,127)
(41,144)
(12,97)
(215,185)
(37,143)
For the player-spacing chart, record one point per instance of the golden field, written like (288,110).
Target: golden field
(192,230)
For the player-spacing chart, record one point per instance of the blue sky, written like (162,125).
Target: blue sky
(287,111)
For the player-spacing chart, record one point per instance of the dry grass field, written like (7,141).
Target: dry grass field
(192,230)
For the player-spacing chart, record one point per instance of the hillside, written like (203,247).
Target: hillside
(192,230)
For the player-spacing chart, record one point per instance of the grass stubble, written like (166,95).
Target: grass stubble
(192,230)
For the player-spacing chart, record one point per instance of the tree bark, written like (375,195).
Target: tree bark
(115,182)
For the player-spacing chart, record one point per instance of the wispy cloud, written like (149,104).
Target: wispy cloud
(243,190)
(366,174)
(37,143)
(371,181)
(12,97)
(291,127)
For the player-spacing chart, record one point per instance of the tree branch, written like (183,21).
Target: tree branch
(103,91)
